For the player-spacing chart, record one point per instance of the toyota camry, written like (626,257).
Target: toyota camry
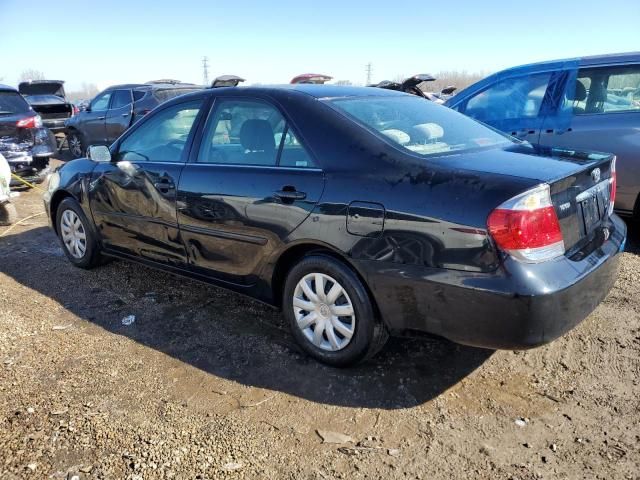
(359,212)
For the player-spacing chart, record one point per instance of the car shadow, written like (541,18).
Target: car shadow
(230,336)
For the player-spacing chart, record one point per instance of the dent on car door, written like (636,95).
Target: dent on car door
(133,198)
(251,183)
(513,105)
(601,111)
(119,114)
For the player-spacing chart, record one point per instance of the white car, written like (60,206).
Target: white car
(7,209)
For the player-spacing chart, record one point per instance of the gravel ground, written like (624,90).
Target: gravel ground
(208,384)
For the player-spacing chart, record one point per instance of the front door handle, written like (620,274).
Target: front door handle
(289,194)
(101,118)
(164,185)
(125,114)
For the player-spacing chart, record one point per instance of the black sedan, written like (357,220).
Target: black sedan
(360,212)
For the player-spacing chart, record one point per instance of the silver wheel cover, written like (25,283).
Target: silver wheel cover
(324,312)
(73,234)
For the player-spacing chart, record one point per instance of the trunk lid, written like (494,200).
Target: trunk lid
(42,87)
(579,183)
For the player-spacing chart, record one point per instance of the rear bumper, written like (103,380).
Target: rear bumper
(519,306)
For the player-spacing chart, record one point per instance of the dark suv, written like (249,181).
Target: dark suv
(115,109)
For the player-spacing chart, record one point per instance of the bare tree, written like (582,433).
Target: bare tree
(31,74)
(343,82)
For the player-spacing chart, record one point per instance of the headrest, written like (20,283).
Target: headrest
(431,131)
(397,136)
(257,135)
(579,94)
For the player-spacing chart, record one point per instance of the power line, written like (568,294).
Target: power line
(205,71)
(369,70)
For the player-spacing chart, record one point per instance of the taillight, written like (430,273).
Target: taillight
(613,185)
(30,122)
(527,227)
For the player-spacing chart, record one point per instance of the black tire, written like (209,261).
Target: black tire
(369,332)
(8,214)
(91,256)
(75,140)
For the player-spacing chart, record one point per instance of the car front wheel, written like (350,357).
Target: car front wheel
(76,144)
(330,312)
(76,235)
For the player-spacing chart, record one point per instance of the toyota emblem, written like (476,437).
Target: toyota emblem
(595,175)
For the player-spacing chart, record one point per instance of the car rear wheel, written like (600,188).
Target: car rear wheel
(330,312)
(76,144)
(76,235)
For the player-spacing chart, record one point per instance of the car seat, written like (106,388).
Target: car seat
(257,138)
(578,95)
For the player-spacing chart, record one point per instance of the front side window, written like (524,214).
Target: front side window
(419,126)
(605,90)
(512,98)
(121,98)
(163,137)
(101,102)
(248,132)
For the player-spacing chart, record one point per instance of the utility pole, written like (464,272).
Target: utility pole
(205,71)
(369,68)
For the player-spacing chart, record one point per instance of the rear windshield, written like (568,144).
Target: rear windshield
(169,93)
(12,103)
(419,126)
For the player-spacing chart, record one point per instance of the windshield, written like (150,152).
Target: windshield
(420,126)
(12,103)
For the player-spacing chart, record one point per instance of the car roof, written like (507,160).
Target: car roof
(626,57)
(6,88)
(313,90)
(153,86)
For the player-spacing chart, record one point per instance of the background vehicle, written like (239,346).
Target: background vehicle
(112,111)
(47,97)
(24,142)
(359,211)
(8,214)
(413,86)
(313,78)
(589,103)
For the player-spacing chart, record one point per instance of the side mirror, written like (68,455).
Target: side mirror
(99,153)
(83,108)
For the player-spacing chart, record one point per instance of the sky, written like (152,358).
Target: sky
(118,41)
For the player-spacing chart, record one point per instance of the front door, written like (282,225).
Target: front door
(513,105)
(93,120)
(119,114)
(601,112)
(133,198)
(251,184)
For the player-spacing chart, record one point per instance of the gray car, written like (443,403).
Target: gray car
(115,109)
(588,103)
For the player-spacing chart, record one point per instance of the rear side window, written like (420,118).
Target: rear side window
(247,132)
(12,103)
(138,95)
(121,98)
(605,90)
(512,98)
(163,137)
(420,126)
(162,95)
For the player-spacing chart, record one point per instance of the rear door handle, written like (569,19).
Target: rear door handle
(164,185)
(125,114)
(290,195)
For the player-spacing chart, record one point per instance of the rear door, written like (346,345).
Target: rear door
(119,114)
(513,105)
(250,184)
(93,120)
(601,112)
(133,198)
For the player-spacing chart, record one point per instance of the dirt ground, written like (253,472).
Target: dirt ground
(208,384)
